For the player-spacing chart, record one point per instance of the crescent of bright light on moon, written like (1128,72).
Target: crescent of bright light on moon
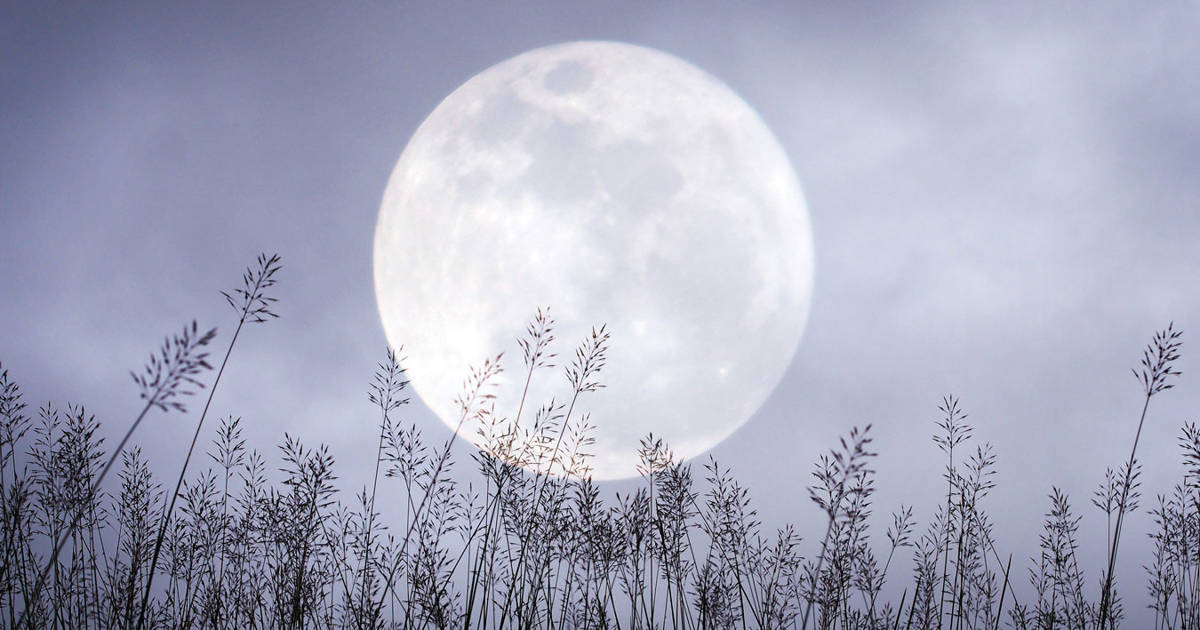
(615,184)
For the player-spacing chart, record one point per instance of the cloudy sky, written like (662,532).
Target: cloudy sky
(1004,205)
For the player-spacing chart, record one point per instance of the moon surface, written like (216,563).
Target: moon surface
(617,185)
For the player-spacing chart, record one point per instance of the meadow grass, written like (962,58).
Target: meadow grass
(530,542)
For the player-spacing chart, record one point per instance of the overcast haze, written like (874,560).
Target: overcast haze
(1003,200)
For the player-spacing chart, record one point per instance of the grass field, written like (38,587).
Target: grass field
(244,538)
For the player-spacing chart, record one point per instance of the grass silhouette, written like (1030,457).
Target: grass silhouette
(531,543)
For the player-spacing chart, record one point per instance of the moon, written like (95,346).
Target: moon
(614,184)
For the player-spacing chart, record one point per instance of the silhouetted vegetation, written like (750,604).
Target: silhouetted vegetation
(531,543)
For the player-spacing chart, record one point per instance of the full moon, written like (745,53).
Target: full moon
(613,184)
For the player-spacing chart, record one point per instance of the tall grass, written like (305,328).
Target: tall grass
(253,306)
(256,540)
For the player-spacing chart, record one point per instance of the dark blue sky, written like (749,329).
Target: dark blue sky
(1003,198)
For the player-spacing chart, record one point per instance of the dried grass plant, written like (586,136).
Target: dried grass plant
(530,542)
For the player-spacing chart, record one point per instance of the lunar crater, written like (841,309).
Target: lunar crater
(569,77)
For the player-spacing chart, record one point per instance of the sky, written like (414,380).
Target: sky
(1003,203)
